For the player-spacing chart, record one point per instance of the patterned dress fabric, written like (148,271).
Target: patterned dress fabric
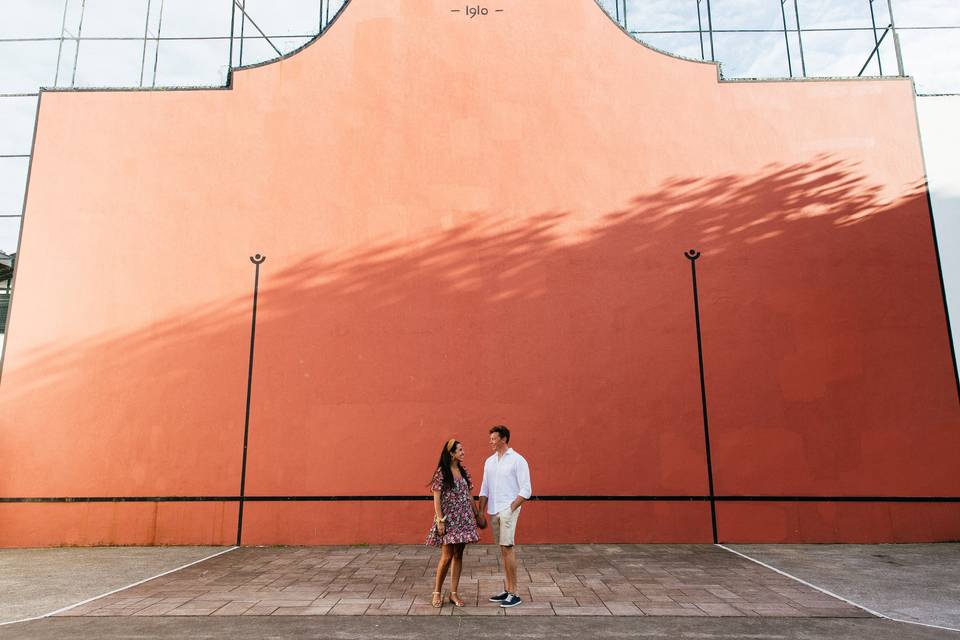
(457,505)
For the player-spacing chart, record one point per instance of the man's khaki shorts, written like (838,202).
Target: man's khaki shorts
(504,525)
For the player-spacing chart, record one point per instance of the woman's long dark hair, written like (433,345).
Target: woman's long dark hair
(446,459)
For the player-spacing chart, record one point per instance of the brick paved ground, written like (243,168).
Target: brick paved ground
(565,580)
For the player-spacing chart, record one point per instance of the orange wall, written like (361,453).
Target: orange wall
(469,222)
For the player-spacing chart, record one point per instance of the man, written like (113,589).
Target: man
(506,486)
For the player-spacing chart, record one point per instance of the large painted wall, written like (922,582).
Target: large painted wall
(469,222)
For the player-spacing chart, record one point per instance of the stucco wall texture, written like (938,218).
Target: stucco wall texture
(470,222)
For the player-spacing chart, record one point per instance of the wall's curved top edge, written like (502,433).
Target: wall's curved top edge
(609,19)
(649,46)
(606,17)
(294,52)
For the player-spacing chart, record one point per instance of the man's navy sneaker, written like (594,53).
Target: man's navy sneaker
(499,598)
(511,600)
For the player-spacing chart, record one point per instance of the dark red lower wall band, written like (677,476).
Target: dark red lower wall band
(299,522)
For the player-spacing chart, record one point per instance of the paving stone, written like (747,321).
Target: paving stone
(196,610)
(545,591)
(671,611)
(162,607)
(301,611)
(719,610)
(562,601)
(398,580)
(390,607)
(233,608)
(374,611)
(424,610)
(623,609)
(582,611)
(770,610)
(341,609)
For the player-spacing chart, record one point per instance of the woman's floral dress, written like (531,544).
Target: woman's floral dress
(457,505)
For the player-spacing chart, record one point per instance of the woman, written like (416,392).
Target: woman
(455,518)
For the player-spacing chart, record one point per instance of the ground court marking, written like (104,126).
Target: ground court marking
(833,595)
(725,548)
(124,588)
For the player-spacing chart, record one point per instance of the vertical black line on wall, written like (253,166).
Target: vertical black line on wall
(692,256)
(257,260)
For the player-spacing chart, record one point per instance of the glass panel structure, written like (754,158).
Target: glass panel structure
(13,179)
(9,230)
(17,116)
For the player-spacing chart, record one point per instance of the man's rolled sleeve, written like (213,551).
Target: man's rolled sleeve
(523,479)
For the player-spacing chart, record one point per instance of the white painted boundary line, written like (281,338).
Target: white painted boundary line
(833,595)
(110,593)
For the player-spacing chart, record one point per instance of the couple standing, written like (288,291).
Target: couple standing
(505,486)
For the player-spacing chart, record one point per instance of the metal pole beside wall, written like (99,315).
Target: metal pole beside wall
(257,260)
(876,38)
(692,256)
(786,36)
(233,20)
(896,40)
(76,53)
(713,54)
(803,61)
(703,53)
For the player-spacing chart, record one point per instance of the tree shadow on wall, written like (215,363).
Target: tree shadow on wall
(368,359)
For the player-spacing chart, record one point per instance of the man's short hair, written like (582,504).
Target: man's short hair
(501,431)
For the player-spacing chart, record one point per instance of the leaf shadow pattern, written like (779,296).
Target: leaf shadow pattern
(820,297)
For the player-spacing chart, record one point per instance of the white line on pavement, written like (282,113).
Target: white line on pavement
(833,595)
(110,593)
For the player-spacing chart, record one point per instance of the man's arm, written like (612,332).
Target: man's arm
(484,493)
(523,480)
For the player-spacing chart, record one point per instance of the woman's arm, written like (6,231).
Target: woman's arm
(479,512)
(438,513)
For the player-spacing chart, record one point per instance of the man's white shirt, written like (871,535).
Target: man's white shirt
(505,478)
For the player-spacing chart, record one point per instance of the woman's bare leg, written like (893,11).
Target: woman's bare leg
(446,556)
(456,568)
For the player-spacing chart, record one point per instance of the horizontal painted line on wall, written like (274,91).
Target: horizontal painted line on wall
(551,498)
(127,499)
(837,498)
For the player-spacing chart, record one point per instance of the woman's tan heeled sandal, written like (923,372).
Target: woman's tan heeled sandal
(437,600)
(456,600)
